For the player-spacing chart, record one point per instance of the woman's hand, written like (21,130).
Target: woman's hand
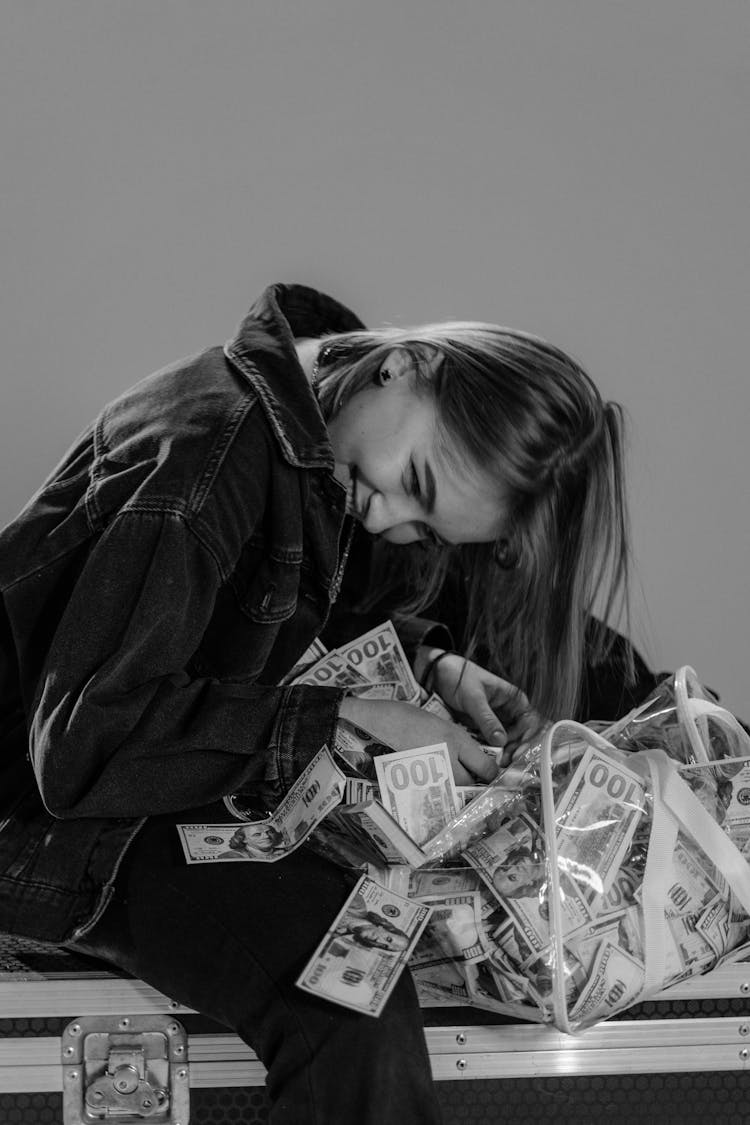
(404,726)
(501,712)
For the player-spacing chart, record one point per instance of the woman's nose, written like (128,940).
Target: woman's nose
(384,512)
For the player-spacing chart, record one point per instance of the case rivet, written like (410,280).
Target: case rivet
(172,1027)
(744,1054)
(745,987)
(181,1074)
(72,1075)
(461,1038)
(69,1051)
(461,1064)
(744,1029)
(174,1004)
(179,1050)
(124,1022)
(75,1029)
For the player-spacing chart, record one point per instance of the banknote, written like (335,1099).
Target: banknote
(312,654)
(454,931)
(317,790)
(358,748)
(615,982)
(418,790)
(689,951)
(377,657)
(374,827)
(332,670)
(596,820)
(441,985)
(366,949)
(491,988)
(696,882)
(442,881)
(435,705)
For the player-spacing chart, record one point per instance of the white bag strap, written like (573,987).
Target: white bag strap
(676,807)
(657,877)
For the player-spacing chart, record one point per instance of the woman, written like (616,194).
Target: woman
(176,565)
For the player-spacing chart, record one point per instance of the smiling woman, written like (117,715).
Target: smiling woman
(169,573)
(467,436)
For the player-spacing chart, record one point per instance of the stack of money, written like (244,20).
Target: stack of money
(507,933)
(372,666)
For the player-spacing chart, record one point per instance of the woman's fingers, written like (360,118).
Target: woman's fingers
(474,763)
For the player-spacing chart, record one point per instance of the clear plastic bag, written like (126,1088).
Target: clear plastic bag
(607,865)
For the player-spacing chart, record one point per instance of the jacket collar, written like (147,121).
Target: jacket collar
(263,350)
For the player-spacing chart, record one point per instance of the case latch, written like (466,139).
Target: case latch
(125,1069)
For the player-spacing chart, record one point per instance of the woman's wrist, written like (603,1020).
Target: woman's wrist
(426,673)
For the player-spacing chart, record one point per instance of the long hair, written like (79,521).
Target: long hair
(523,412)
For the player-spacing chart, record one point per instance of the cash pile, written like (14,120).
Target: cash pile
(582,906)
(563,917)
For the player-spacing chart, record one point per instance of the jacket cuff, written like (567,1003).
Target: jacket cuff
(306,721)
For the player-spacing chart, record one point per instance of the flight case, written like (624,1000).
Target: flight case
(80,1044)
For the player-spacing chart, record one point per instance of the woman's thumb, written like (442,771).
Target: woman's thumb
(492,730)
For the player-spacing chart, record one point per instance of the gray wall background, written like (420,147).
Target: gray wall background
(577,168)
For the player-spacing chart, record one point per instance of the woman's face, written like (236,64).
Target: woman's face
(391,457)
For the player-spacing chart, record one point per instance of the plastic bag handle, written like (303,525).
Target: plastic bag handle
(691,707)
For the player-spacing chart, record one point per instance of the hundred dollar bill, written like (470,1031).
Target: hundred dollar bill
(454,931)
(444,881)
(315,792)
(696,880)
(615,982)
(363,954)
(385,690)
(596,820)
(332,671)
(358,748)
(688,951)
(377,657)
(497,991)
(512,864)
(435,705)
(310,656)
(442,985)
(418,790)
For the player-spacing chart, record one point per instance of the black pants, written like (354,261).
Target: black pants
(230,939)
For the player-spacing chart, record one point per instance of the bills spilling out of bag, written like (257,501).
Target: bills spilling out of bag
(317,790)
(361,957)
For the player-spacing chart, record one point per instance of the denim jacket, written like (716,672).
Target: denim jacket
(175,564)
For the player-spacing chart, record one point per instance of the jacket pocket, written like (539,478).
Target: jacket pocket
(266,586)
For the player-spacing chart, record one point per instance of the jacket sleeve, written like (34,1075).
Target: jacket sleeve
(118,728)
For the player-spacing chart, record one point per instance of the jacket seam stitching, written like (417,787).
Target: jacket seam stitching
(219,451)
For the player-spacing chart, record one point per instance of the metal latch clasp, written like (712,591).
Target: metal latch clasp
(125,1070)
